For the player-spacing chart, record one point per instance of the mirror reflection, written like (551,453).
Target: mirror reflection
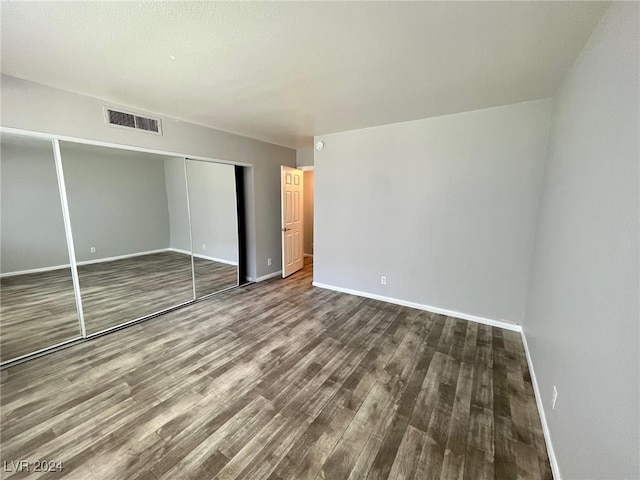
(37,300)
(150,232)
(214,225)
(128,210)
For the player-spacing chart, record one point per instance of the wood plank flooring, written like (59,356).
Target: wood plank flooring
(38,310)
(121,290)
(213,276)
(280,380)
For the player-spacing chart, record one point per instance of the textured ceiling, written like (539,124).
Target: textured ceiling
(283,72)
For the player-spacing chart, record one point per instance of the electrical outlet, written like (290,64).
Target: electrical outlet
(554,397)
(93,249)
(204,246)
(268,262)
(383,280)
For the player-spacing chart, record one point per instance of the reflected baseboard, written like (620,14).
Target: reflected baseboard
(204,257)
(83,262)
(34,270)
(117,257)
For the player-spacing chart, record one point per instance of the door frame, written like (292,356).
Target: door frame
(282,219)
(308,168)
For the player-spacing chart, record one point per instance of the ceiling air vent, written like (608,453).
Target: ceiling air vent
(130,120)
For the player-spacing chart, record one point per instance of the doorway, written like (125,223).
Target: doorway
(309,185)
(297,203)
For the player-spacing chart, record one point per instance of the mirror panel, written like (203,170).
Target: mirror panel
(128,211)
(37,299)
(214,225)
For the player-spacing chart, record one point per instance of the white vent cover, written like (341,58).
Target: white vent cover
(131,120)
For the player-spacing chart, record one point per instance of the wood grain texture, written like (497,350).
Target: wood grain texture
(38,310)
(211,276)
(280,380)
(121,290)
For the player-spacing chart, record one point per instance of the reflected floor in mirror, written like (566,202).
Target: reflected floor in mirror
(118,291)
(37,310)
(122,290)
(213,276)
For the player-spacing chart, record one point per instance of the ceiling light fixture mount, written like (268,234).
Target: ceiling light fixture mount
(319,145)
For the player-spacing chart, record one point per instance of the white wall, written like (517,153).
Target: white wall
(121,203)
(32,233)
(117,201)
(309,177)
(443,207)
(176,184)
(583,315)
(212,202)
(31,106)
(213,208)
(304,157)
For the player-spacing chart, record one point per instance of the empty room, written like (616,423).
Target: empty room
(320,240)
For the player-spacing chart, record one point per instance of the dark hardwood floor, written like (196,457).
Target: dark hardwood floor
(280,380)
(121,290)
(38,310)
(213,276)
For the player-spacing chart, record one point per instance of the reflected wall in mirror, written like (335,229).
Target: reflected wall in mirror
(127,211)
(37,299)
(214,225)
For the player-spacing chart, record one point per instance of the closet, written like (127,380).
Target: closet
(95,238)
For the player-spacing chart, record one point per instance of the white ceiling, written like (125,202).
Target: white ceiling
(283,72)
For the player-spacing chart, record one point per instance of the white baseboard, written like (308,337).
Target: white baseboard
(34,270)
(215,259)
(205,257)
(179,250)
(84,262)
(555,468)
(121,257)
(269,275)
(117,257)
(441,311)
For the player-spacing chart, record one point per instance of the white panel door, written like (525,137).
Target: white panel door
(292,220)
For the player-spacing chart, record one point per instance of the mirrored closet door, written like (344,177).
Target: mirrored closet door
(130,222)
(37,299)
(149,232)
(214,225)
